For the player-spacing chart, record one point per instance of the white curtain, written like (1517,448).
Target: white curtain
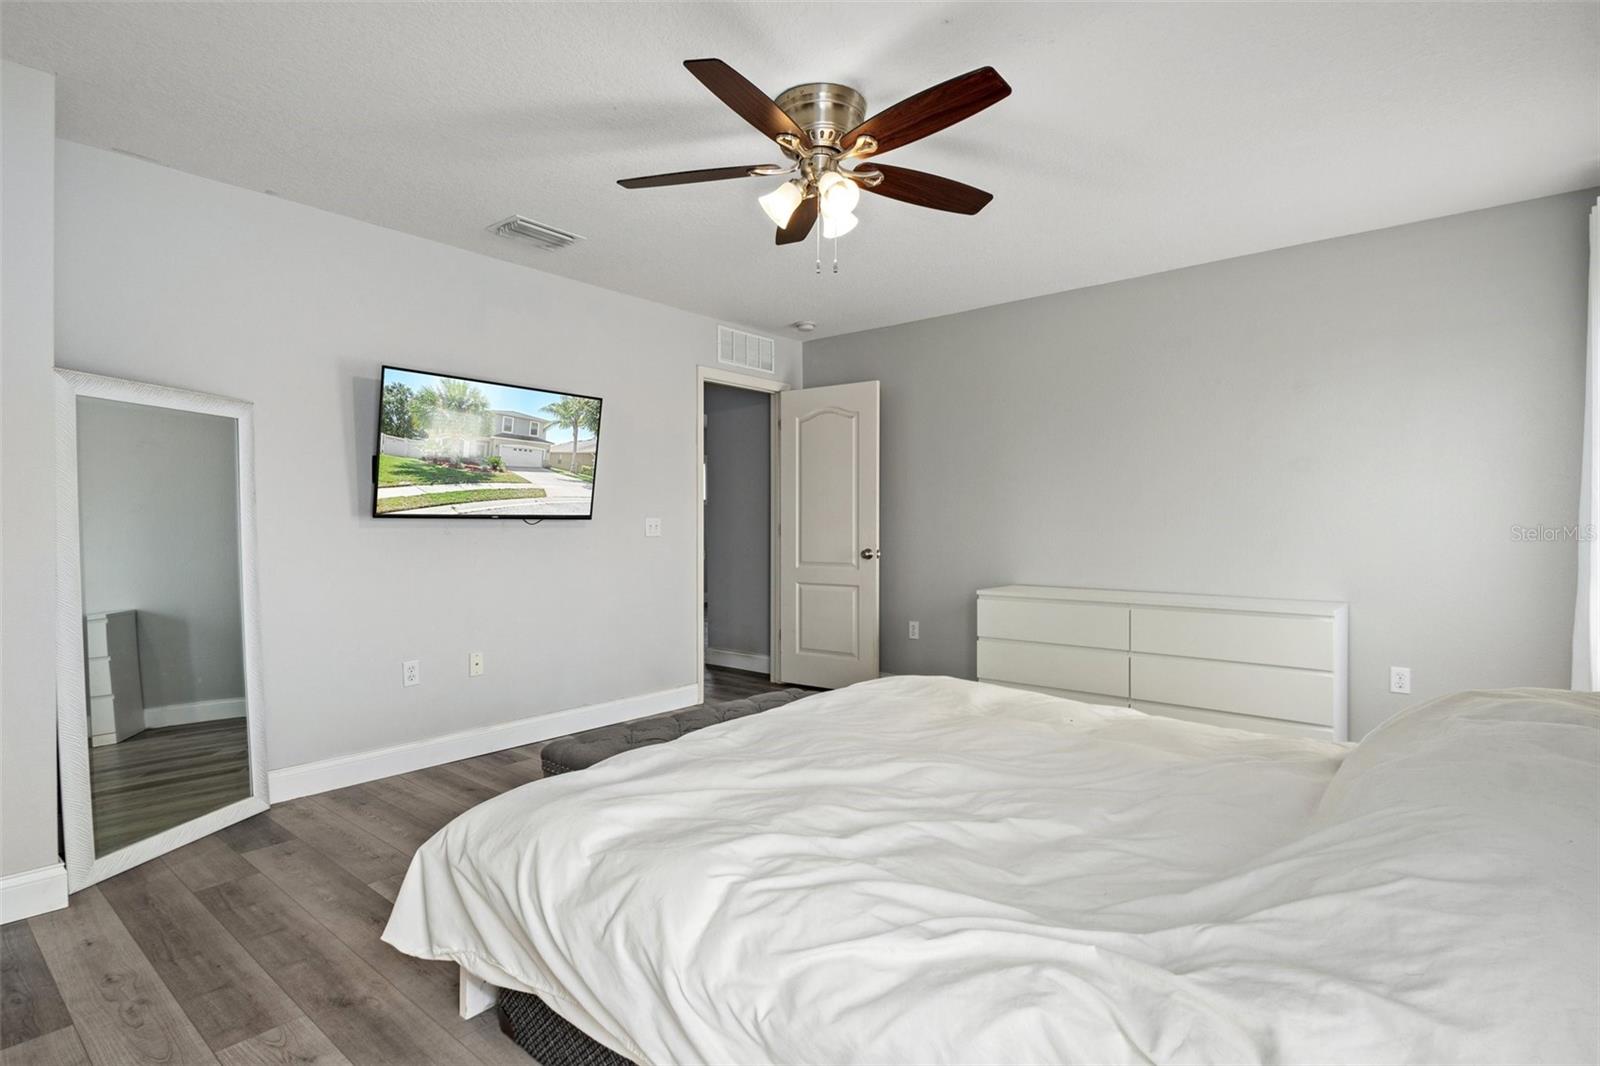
(1586,624)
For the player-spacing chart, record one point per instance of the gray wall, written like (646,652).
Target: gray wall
(1362,419)
(738,519)
(27,474)
(157,511)
(209,287)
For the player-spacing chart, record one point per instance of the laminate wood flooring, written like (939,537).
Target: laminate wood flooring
(165,777)
(259,944)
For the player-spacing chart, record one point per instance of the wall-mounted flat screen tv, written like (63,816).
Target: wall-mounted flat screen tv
(457,447)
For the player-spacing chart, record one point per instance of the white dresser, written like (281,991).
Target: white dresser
(1272,666)
(111,663)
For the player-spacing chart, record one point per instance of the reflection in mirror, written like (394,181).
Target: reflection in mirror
(163,645)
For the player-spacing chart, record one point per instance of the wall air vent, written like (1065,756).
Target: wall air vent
(526,229)
(745,350)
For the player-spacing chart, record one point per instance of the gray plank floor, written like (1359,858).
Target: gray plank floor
(259,944)
(165,777)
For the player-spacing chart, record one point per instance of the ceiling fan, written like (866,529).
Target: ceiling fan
(820,126)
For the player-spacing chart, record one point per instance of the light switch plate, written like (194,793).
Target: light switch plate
(475,664)
(1400,680)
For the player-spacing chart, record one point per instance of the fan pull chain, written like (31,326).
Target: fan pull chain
(819,249)
(836,255)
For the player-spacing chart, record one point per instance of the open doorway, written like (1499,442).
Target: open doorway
(820,504)
(737,530)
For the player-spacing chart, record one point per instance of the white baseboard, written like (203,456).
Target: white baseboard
(33,892)
(189,713)
(307,779)
(738,660)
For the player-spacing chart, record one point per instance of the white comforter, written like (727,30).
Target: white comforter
(931,870)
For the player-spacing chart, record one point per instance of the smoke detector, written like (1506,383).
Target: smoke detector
(526,229)
(805,325)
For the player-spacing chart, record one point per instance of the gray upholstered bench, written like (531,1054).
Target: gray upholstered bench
(582,750)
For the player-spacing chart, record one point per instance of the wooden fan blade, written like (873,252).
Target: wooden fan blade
(800,223)
(928,190)
(747,101)
(931,110)
(687,177)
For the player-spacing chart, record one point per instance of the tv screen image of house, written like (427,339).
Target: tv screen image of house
(457,447)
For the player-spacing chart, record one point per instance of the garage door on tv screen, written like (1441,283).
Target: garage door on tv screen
(455,447)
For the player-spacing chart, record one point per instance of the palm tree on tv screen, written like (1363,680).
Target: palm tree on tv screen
(579,412)
(454,394)
(458,412)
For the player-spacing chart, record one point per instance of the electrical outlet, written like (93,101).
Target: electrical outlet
(411,672)
(652,527)
(1400,680)
(914,630)
(475,664)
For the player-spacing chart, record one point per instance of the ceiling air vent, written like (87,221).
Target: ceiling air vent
(526,229)
(745,350)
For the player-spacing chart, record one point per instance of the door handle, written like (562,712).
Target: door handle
(871,553)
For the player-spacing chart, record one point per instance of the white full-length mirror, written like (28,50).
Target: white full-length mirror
(160,715)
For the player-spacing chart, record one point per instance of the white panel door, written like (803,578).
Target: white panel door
(828,535)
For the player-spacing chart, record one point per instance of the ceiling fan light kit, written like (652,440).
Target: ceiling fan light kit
(779,204)
(834,227)
(839,194)
(819,127)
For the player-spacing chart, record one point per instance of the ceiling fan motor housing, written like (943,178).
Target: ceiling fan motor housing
(825,110)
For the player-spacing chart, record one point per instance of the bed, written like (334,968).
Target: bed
(923,869)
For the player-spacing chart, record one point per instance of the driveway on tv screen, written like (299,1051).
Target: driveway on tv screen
(523,493)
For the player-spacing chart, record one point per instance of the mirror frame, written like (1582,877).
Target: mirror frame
(84,867)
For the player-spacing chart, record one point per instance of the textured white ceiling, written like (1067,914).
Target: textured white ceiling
(1139,138)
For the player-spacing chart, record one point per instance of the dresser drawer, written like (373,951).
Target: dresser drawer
(94,638)
(1241,688)
(1250,723)
(99,677)
(1084,670)
(1089,625)
(1268,639)
(1099,699)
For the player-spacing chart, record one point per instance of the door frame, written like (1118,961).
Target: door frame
(708,375)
